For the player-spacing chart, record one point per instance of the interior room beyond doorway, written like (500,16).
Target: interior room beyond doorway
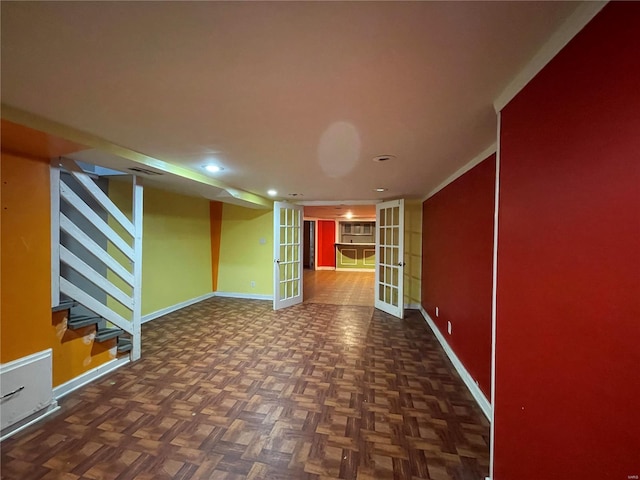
(339,254)
(339,288)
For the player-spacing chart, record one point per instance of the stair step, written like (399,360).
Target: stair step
(124,345)
(64,305)
(105,334)
(82,321)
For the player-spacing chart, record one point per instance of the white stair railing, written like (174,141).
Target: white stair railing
(129,244)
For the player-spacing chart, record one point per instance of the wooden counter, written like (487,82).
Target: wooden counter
(356,256)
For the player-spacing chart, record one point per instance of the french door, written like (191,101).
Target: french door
(389,295)
(287,235)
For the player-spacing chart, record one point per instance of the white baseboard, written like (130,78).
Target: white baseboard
(247,296)
(25,384)
(370,270)
(412,306)
(325,268)
(88,377)
(165,311)
(30,420)
(477,394)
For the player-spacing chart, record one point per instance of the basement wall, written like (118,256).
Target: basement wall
(568,301)
(457,262)
(176,247)
(246,252)
(27,324)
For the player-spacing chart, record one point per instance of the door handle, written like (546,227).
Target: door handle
(277,261)
(401,264)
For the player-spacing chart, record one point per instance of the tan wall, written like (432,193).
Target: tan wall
(412,252)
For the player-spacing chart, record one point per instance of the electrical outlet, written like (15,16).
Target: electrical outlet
(436,311)
(253,284)
(449,327)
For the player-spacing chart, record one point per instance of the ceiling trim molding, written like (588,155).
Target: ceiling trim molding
(569,29)
(36,122)
(490,150)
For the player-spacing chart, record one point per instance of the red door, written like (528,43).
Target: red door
(326,243)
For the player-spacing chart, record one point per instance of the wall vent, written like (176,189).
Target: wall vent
(144,171)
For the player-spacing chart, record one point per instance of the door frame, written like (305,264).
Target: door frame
(393,273)
(291,250)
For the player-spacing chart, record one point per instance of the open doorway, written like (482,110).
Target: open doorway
(339,254)
(309,245)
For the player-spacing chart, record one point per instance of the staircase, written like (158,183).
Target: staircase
(103,333)
(96,257)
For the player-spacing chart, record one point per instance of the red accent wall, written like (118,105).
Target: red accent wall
(457,266)
(326,243)
(567,400)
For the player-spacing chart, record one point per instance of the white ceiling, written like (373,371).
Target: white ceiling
(293,96)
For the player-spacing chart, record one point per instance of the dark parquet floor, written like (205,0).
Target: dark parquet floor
(230,389)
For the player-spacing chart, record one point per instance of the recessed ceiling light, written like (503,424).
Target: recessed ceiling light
(380,189)
(383,158)
(213,168)
(272,192)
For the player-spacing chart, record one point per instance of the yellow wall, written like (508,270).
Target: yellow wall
(176,246)
(412,251)
(243,258)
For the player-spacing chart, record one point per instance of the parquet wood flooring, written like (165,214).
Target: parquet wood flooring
(339,288)
(230,389)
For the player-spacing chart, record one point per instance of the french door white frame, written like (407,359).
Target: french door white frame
(287,256)
(389,287)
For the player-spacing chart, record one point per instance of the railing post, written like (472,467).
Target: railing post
(54,175)
(137,268)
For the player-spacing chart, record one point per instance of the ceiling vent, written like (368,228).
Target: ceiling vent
(383,158)
(144,171)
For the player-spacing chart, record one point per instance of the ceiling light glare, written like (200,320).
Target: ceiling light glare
(379,189)
(349,215)
(212,168)
(272,192)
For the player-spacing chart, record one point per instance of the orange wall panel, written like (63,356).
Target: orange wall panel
(26,257)
(74,351)
(27,324)
(215,211)
(24,141)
